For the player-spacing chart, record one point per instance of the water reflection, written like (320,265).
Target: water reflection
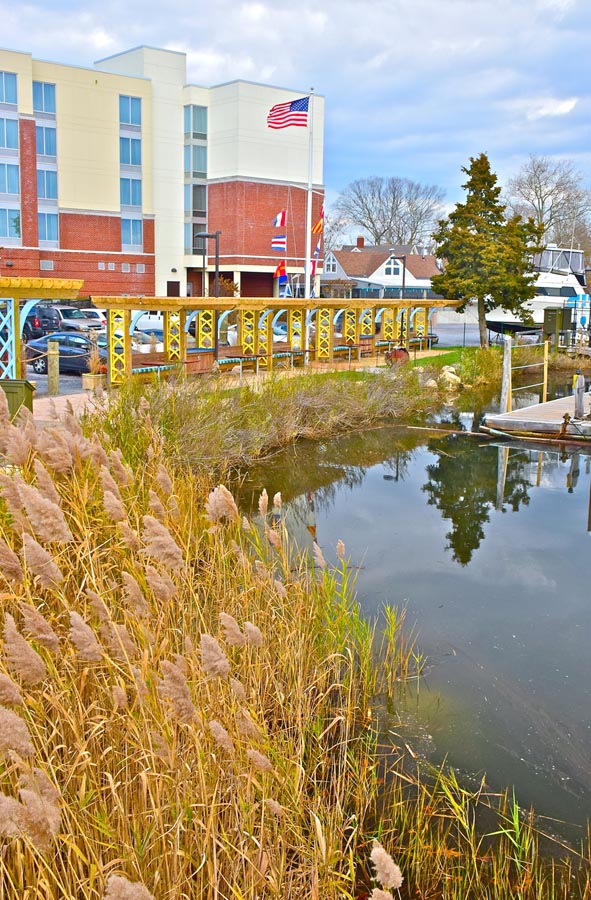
(486,546)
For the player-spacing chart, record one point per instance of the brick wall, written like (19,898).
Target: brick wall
(28,173)
(244,212)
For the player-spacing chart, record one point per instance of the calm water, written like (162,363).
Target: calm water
(488,549)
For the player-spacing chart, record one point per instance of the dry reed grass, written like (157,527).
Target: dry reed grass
(209,736)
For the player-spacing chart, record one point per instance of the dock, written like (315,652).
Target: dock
(551,421)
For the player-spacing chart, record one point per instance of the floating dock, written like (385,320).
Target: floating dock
(551,421)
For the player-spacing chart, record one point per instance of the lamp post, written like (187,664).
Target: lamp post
(215,236)
(403,258)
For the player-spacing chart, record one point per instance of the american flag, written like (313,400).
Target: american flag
(279,242)
(282,115)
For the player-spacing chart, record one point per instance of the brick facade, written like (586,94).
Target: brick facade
(28,173)
(244,211)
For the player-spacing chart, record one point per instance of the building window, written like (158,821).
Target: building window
(45,141)
(111,267)
(9,134)
(130,191)
(9,180)
(196,161)
(196,122)
(330,265)
(101,267)
(130,151)
(125,267)
(46,265)
(130,110)
(46,184)
(131,232)
(140,268)
(43,97)
(7,87)
(393,266)
(48,230)
(199,200)
(10,223)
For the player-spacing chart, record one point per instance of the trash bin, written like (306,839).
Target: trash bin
(19,392)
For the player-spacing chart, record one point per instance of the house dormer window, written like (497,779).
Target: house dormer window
(330,264)
(393,266)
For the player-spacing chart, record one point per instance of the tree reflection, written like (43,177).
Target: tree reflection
(463,484)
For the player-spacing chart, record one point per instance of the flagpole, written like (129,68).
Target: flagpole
(309,196)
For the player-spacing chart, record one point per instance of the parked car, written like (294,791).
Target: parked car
(64,318)
(74,352)
(31,327)
(98,314)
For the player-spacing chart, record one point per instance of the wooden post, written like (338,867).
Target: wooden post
(506,404)
(545,387)
(53,368)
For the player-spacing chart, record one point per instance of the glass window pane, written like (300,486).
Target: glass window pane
(124,192)
(2,178)
(200,161)
(37,96)
(136,192)
(199,199)
(188,206)
(187,160)
(50,149)
(3,223)
(136,231)
(123,109)
(49,98)
(51,185)
(14,223)
(136,152)
(12,180)
(187,119)
(9,88)
(188,228)
(126,231)
(124,151)
(12,134)
(135,111)
(39,140)
(200,120)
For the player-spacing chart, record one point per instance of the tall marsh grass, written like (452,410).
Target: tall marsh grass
(187,713)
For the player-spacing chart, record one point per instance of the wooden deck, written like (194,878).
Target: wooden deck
(544,420)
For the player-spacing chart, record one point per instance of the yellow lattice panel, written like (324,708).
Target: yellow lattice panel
(118,321)
(398,325)
(296,329)
(366,323)
(420,322)
(174,336)
(324,333)
(265,341)
(247,331)
(403,326)
(388,319)
(205,332)
(350,326)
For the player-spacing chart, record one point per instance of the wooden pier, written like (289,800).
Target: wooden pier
(551,421)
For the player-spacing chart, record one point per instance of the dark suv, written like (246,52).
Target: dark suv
(63,318)
(31,327)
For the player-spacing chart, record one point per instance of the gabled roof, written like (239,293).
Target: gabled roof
(368,260)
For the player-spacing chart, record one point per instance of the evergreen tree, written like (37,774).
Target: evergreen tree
(486,255)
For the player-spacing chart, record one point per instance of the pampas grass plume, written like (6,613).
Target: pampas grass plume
(41,563)
(160,544)
(14,734)
(319,556)
(119,888)
(46,518)
(253,635)
(263,503)
(213,659)
(129,536)
(221,736)
(45,483)
(174,688)
(83,638)
(377,894)
(10,565)
(108,482)
(275,808)
(232,634)
(120,471)
(238,688)
(114,507)
(38,628)
(280,588)
(273,538)
(387,872)
(161,584)
(119,697)
(163,480)
(20,656)
(259,761)
(16,446)
(10,694)
(340,550)
(277,500)
(10,812)
(156,506)
(220,505)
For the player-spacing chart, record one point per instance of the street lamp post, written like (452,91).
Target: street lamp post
(215,236)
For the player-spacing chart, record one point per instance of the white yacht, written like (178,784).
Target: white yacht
(560,284)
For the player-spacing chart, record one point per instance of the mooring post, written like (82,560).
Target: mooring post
(53,368)
(506,404)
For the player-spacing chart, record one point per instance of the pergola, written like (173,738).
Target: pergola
(12,317)
(256,318)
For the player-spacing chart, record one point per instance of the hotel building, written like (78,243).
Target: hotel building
(110,173)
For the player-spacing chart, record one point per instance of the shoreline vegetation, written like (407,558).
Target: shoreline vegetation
(185,711)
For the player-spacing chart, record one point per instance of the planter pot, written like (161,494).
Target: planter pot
(92,381)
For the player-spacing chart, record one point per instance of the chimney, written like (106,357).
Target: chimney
(360,242)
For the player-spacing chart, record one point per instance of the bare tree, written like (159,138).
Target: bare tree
(335,227)
(392,210)
(553,195)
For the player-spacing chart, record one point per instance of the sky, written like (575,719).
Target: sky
(413,88)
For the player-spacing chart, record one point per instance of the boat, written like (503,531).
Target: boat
(560,285)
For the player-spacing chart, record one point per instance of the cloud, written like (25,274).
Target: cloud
(533,108)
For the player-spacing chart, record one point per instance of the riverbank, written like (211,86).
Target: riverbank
(209,726)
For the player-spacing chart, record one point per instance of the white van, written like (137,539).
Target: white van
(149,321)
